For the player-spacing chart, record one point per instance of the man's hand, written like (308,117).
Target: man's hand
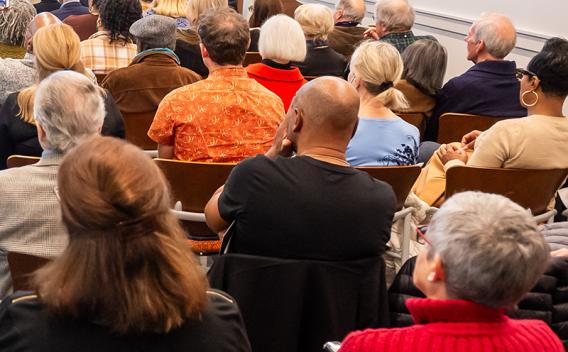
(448,152)
(468,141)
(562,252)
(281,146)
(371,33)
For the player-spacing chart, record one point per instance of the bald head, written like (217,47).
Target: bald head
(394,14)
(350,10)
(497,32)
(44,19)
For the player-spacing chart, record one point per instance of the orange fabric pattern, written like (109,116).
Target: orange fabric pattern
(224,118)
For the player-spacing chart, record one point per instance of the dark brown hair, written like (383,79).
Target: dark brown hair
(264,9)
(127,265)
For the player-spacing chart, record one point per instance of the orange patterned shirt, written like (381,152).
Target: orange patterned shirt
(224,118)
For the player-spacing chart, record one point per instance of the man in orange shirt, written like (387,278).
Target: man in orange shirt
(226,117)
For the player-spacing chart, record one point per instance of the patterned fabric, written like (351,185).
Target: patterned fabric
(181,22)
(225,118)
(401,40)
(15,75)
(102,56)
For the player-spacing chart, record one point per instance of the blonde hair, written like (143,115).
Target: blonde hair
(170,8)
(282,38)
(56,48)
(316,20)
(379,66)
(196,7)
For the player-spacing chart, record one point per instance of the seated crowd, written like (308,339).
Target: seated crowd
(325,100)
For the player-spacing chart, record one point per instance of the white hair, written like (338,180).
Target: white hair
(490,247)
(395,14)
(492,28)
(281,38)
(69,108)
(353,10)
(316,20)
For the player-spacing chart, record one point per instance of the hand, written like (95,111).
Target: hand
(448,152)
(562,252)
(468,141)
(281,146)
(371,32)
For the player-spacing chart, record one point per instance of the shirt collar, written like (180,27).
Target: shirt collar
(347,24)
(498,67)
(70,2)
(399,35)
(164,51)
(228,72)
(424,310)
(50,157)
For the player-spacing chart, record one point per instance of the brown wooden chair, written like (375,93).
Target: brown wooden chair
(532,189)
(20,160)
(136,126)
(453,126)
(21,267)
(417,119)
(252,57)
(290,6)
(100,77)
(192,185)
(310,78)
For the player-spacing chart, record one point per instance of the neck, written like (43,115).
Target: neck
(485,57)
(329,154)
(547,107)
(372,107)
(214,67)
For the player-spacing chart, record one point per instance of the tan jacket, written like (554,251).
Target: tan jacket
(345,39)
(417,101)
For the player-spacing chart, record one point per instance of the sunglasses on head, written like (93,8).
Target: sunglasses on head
(520,72)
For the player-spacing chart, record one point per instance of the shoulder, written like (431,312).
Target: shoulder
(19,304)
(374,339)
(253,165)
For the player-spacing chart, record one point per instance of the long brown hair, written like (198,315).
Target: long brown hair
(262,10)
(127,265)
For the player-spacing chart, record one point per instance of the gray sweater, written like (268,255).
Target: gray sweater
(16,75)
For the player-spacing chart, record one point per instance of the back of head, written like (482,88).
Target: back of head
(195,8)
(14,20)
(127,266)
(551,67)
(425,63)
(497,32)
(282,39)
(69,108)
(316,20)
(490,247)
(353,10)
(41,20)
(170,8)
(225,35)
(263,10)
(379,66)
(117,16)
(396,15)
(155,31)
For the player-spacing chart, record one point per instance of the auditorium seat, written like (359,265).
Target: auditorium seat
(454,126)
(21,267)
(20,160)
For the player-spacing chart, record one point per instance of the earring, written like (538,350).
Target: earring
(523,98)
(431,277)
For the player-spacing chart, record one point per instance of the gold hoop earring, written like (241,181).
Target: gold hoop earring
(523,98)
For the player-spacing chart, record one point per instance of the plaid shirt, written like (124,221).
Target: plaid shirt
(102,56)
(401,40)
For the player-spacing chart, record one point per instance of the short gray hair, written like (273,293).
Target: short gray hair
(497,32)
(69,108)
(425,63)
(15,20)
(282,38)
(490,248)
(353,10)
(395,14)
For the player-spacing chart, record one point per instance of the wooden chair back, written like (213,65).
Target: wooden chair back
(309,78)
(453,126)
(532,189)
(290,6)
(401,179)
(21,267)
(100,77)
(20,160)
(136,126)
(252,57)
(417,119)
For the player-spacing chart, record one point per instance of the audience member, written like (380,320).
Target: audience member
(85,25)
(70,8)
(281,42)
(535,142)
(316,21)
(154,72)
(313,205)
(489,88)
(226,117)
(187,43)
(13,23)
(56,48)
(347,32)
(47,6)
(484,254)
(127,279)
(112,47)
(260,11)
(425,63)
(16,74)
(67,108)
(393,24)
(175,9)
(382,138)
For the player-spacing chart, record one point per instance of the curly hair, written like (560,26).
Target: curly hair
(14,21)
(117,16)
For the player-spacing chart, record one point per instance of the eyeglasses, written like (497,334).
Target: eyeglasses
(520,72)
(423,237)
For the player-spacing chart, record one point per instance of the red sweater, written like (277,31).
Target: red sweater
(456,325)
(284,83)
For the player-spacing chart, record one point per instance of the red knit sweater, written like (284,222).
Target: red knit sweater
(285,83)
(456,325)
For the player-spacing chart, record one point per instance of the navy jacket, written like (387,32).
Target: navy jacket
(489,88)
(47,6)
(70,9)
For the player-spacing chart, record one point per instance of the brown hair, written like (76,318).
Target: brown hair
(264,9)
(127,265)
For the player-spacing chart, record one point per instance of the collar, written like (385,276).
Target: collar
(399,35)
(228,72)
(497,67)
(424,310)
(155,51)
(317,43)
(69,2)
(347,24)
(274,74)
(277,65)
(50,157)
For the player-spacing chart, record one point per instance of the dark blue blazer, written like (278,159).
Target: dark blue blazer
(489,88)
(70,9)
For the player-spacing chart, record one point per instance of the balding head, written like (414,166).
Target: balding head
(42,20)
(350,10)
(394,15)
(497,32)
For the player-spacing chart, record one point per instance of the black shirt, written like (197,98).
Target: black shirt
(306,209)
(322,60)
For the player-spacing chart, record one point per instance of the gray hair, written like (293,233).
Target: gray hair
(155,31)
(353,10)
(69,108)
(395,14)
(425,63)
(14,22)
(497,32)
(282,38)
(490,248)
